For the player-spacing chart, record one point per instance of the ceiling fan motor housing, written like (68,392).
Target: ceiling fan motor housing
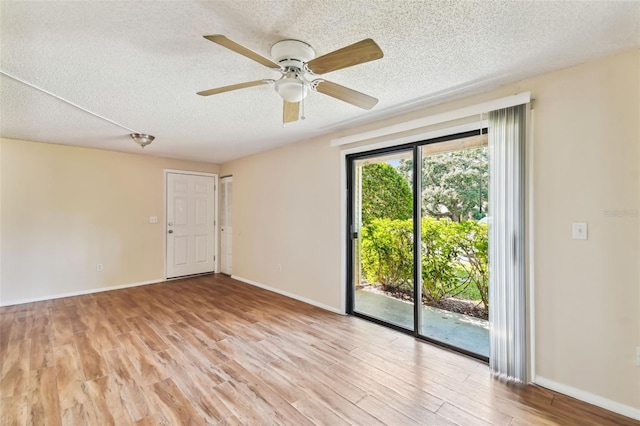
(292,53)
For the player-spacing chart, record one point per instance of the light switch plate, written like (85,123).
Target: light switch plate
(153,219)
(579,230)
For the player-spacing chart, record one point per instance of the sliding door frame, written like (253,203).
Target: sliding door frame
(416,149)
(350,230)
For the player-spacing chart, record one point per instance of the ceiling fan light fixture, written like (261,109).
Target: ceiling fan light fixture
(291,89)
(142,139)
(297,62)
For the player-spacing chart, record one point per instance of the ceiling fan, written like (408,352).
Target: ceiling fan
(296,61)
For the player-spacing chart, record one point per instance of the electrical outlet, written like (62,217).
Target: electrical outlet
(99,267)
(279,267)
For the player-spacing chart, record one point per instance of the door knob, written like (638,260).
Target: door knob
(171,231)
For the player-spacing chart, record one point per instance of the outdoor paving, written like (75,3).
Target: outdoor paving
(452,328)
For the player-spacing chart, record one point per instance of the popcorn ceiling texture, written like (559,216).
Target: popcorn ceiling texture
(141,63)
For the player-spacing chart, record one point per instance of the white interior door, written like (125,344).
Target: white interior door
(190,224)
(226,202)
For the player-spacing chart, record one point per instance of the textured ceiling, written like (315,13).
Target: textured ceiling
(140,64)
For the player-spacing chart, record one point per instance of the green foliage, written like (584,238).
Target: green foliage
(439,258)
(473,244)
(454,257)
(454,184)
(387,252)
(385,193)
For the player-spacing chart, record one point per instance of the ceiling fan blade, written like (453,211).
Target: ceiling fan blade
(232,45)
(232,87)
(345,94)
(291,111)
(357,53)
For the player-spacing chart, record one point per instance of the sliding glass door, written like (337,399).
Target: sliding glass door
(418,214)
(382,239)
(454,243)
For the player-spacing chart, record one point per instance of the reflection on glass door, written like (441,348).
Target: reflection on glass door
(382,238)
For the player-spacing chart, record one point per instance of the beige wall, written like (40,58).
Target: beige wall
(285,213)
(287,206)
(65,209)
(587,292)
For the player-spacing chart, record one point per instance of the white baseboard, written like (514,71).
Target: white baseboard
(602,402)
(78,293)
(290,295)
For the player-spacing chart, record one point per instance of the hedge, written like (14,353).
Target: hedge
(454,257)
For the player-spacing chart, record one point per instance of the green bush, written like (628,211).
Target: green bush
(473,243)
(387,253)
(454,257)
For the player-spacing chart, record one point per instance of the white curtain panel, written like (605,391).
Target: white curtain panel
(507,288)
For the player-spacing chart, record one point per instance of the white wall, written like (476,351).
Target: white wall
(586,161)
(65,209)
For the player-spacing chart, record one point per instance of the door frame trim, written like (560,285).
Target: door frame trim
(165,174)
(230,179)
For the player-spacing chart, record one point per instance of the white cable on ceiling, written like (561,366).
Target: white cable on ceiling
(66,101)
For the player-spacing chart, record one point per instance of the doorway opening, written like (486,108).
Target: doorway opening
(418,240)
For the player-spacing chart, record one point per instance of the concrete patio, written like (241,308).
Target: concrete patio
(469,333)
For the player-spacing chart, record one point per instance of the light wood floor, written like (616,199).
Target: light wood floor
(211,350)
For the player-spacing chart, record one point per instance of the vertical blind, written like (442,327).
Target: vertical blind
(507,287)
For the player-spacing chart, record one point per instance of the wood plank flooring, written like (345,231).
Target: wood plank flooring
(211,350)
